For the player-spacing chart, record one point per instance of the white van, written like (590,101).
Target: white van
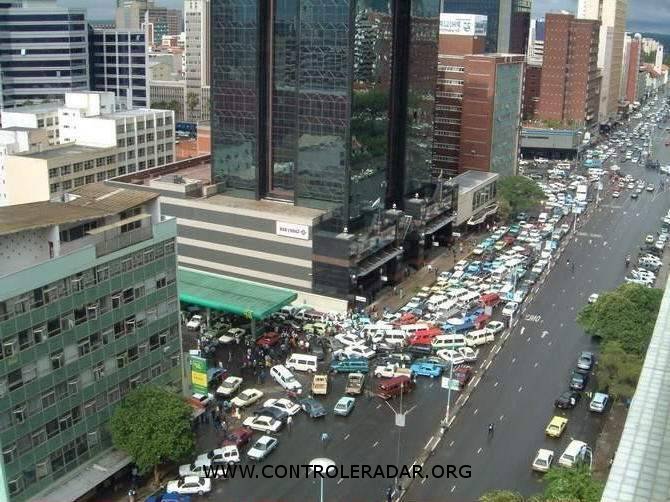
(285,378)
(395,337)
(448,341)
(543,218)
(302,362)
(468,300)
(576,451)
(478,337)
(434,301)
(499,274)
(449,308)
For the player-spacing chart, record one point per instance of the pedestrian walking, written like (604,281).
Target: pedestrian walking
(230,356)
(221,364)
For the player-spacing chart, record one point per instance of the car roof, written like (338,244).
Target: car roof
(558,420)
(542,452)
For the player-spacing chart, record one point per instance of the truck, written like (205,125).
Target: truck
(355,383)
(582,190)
(320,385)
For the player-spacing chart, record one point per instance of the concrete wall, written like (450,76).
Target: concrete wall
(26,180)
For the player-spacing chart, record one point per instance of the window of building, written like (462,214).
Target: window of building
(48,399)
(9,453)
(99,371)
(79,182)
(15,485)
(89,164)
(39,437)
(14,380)
(57,359)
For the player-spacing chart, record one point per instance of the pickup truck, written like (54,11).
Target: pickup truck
(391,370)
(320,385)
(355,383)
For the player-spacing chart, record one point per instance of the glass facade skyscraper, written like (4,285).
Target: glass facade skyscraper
(325,104)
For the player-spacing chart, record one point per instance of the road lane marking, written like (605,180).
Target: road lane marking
(513,360)
(549,344)
(497,349)
(479,451)
(423,480)
(453,488)
(347,437)
(501,417)
(477,382)
(379,406)
(340,480)
(523,328)
(544,333)
(488,365)
(375,445)
(451,444)
(528,340)
(495,384)
(464,401)
(476,411)
(535,365)
(430,440)
(520,388)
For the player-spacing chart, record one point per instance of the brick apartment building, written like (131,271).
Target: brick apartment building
(531,90)
(570,82)
(483,135)
(633,68)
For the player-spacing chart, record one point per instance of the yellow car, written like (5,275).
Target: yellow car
(556,427)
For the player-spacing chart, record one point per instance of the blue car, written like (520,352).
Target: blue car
(474,267)
(428,369)
(344,406)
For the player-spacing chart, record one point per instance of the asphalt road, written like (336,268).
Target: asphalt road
(533,367)
(516,393)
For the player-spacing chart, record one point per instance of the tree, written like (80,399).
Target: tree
(192,101)
(501,496)
(626,315)
(153,426)
(520,193)
(571,485)
(617,371)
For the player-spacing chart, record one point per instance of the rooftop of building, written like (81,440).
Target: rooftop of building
(472,179)
(19,129)
(96,200)
(62,151)
(38,108)
(135,112)
(641,468)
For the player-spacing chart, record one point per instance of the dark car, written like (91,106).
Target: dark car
(268,340)
(162,496)
(578,380)
(463,374)
(568,399)
(275,413)
(319,351)
(238,437)
(420,350)
(585,361)
(312,407)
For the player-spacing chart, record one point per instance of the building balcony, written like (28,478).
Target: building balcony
(112,240)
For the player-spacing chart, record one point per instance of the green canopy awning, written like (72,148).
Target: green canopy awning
(235,296)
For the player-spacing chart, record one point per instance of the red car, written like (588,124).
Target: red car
(463,374)
(406,318)
(268,340)
(238,437)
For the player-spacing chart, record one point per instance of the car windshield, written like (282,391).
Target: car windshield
(541,462)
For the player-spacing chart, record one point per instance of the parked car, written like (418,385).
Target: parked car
(429,369)
(599,402)
(194,322)
(228,454)
(556,427)
(585,361)
(267,340)
(463,374)
(344,406)
(246,398)
(510,308)
(312,407)
(238,437)
(567,399)
(229,386)
(543,460)
(190,485)
(263,446)
(232,335)
(263,423)
(283,404)
(578,381)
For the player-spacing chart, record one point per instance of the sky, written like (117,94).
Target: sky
(643,15)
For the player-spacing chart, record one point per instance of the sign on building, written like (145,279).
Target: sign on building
(462,24)
(294,230)
(199,374)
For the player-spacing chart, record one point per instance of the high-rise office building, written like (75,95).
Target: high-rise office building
(88,311)
(119,65)
(130,14)
(612,17)
(478,101)
(197,45)
(508,21)
(570,85)
(633,67)
(165,21)
(43,52)
(329,105)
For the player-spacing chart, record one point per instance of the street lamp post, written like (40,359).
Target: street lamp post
(447,415)
(323,464)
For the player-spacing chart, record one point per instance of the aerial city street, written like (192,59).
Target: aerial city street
(334,250)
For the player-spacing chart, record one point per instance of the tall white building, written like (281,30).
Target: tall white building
(196,57)
(659,58)
(612,16)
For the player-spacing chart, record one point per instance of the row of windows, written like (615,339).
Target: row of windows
(65,287)
(81,181)
(64,459)
(449,134)
(66,170)
(131,168)
(442,94)
(448,108)
(449,81)
(442,120)
(21,412)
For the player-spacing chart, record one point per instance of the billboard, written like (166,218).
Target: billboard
(199,374)
(462,24)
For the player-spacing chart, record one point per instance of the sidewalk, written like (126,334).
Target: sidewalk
(423,277)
